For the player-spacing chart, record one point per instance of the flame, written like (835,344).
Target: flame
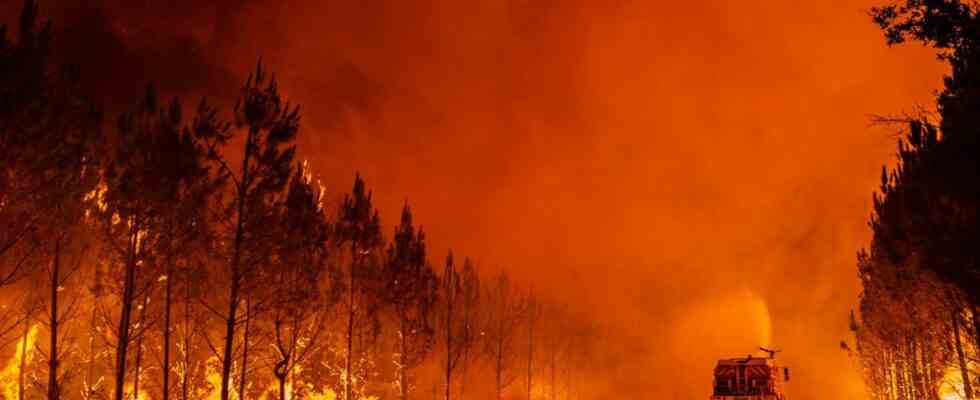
(271,393)
(97,196)
(142,395)
(951,387)
(10,374)
(214,380)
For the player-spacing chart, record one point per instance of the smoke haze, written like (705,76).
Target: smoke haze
(697,175)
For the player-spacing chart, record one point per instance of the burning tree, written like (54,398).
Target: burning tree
(202,217)
(26,86)
(921,283)
(156,161)
(505,308)
(459,329)
(410,292)
(531,316)
(269,127)
(186,228)
(472,323)
(296,305)
(49,148)
(358,228)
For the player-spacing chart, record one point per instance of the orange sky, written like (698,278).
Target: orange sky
(667,167)
(698,174)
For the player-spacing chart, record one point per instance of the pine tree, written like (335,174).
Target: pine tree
(297,306)
(924,217)
(505,308)
(410,292)
(358,228)
(269,126)
(156,160)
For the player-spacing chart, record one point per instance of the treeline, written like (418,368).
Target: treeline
(175,252)
(918,332)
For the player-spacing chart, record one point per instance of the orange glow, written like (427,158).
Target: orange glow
(695,175)
(142,395)
(10,374)
(952,385)
(213,377)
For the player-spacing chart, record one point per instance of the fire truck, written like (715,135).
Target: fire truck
(750,378)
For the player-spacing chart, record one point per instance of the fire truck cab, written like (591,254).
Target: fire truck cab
(749,378)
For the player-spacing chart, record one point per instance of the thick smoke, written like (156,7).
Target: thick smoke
(696,175)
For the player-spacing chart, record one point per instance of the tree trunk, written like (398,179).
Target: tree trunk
(976,329)
(122,343)
(139,348)
(93,331)
(281,369)
(893,375)
(900,375)
(230,322)
(917,388)
(282,386)
(53,391)
(23,359)
(449,346)
(348,390)
(245,337)
(236,274)
(166,333)
(350,348)
(402,383)
(187,342)
(928,378)
(967,386)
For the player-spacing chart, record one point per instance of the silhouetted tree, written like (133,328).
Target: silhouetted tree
(97,290)
(358,227)
(934,184)
(193,277)
(556,341)
(924,217)
(49,152)
(156,161)
(202,217)
(531,316)
(187,231)
(410,291)
(505,308)
(269,127)
(459,294)
(296,306)
(471,323)
(49,147)
(29,97)
(452,292)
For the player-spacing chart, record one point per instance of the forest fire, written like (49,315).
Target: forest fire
(12,377)
(213,379)
(489,199)
(140,394)
(951,387)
